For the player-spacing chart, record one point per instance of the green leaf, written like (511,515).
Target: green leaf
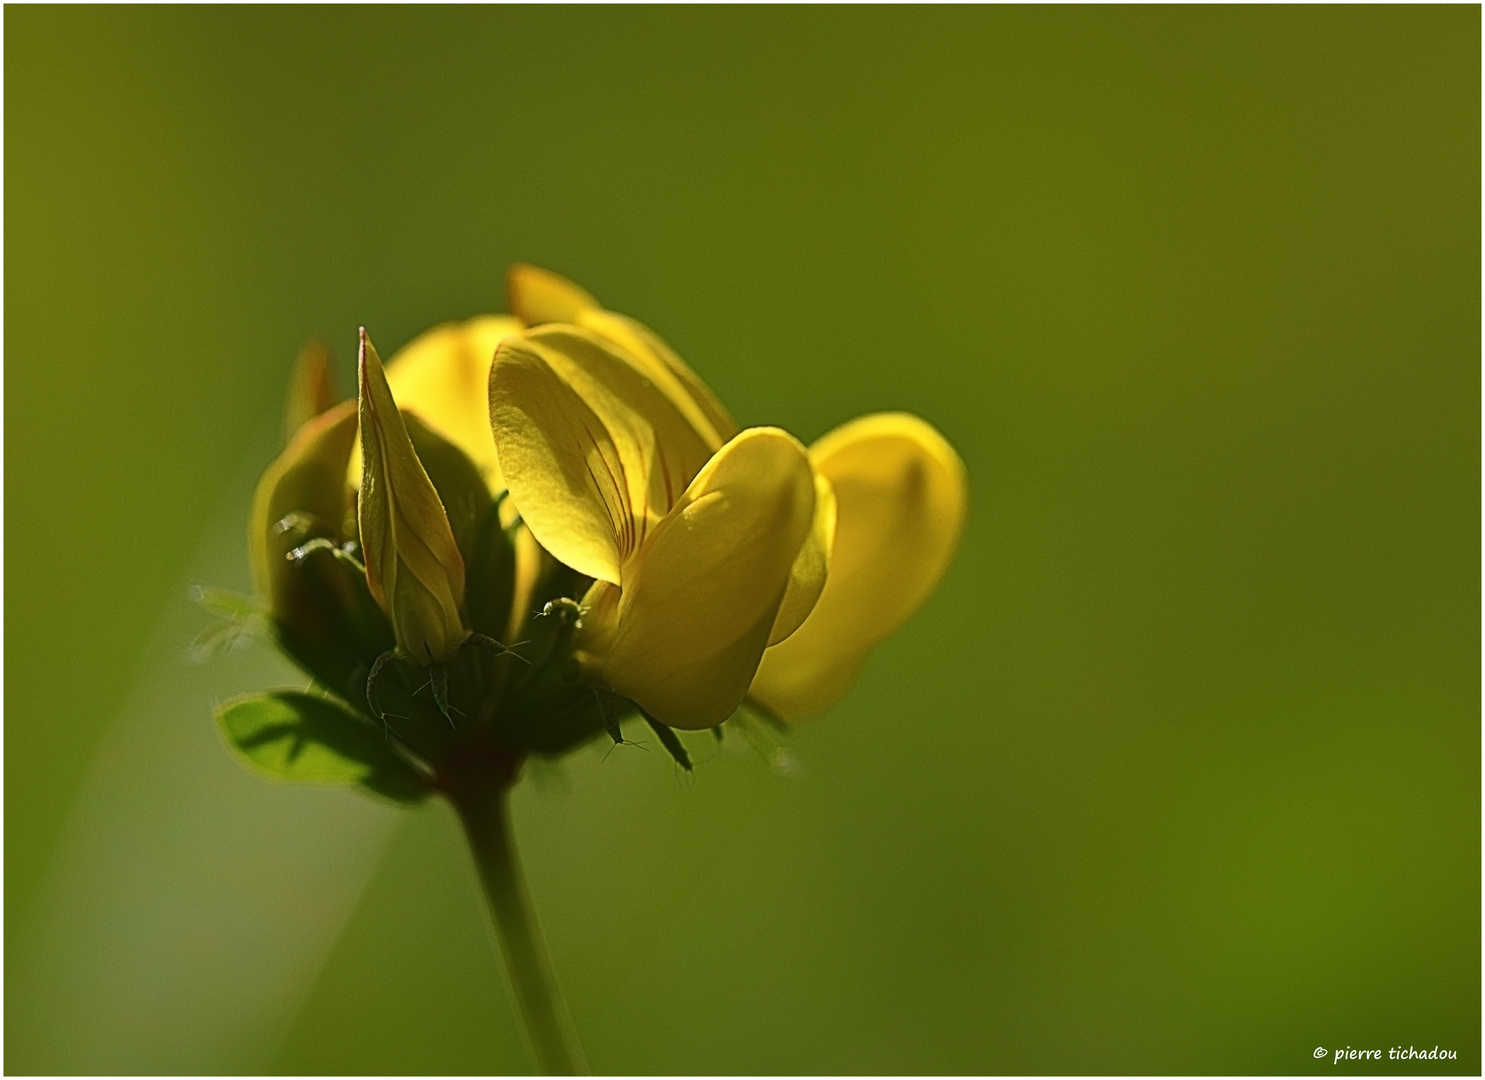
(297,738)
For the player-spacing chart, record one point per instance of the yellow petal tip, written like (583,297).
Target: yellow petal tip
(539,296)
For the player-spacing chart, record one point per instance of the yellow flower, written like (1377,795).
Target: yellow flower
(710,548)
(715,565)
(413,565)
(727,564)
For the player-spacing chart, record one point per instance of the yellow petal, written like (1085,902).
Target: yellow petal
(811,566)
(901,495)
(539,296)
(308,480)
(593,453)
(659,363)
(695,616)
(554,453)
(443,377)
(311,388)
(413,566)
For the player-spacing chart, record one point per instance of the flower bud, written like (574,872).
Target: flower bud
(304,486)
(413,566)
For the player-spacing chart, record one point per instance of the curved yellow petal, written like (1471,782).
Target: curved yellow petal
(594,454)
(413,566)
(695,615)
(311,388)
(553,453)
(660,452)
(659,363)
(811,566)
(901,496)
(308,480)
(540,296)
(537,296)
(443,376)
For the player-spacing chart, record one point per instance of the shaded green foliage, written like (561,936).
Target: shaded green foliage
(302,739)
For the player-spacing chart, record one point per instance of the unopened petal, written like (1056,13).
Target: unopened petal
(413,565)
(424,616)
(695,618)
(901,498)
(443,377)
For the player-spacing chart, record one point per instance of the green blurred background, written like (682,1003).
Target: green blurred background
(1178,771)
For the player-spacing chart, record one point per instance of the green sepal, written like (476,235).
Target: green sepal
(670,740)
(339,631)
(461,489)
(612,707)
(549,625)
(297,738)
(550,708)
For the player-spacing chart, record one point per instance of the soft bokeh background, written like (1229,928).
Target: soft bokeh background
(1180,769)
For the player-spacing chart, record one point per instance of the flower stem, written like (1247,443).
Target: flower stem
(549,1031)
